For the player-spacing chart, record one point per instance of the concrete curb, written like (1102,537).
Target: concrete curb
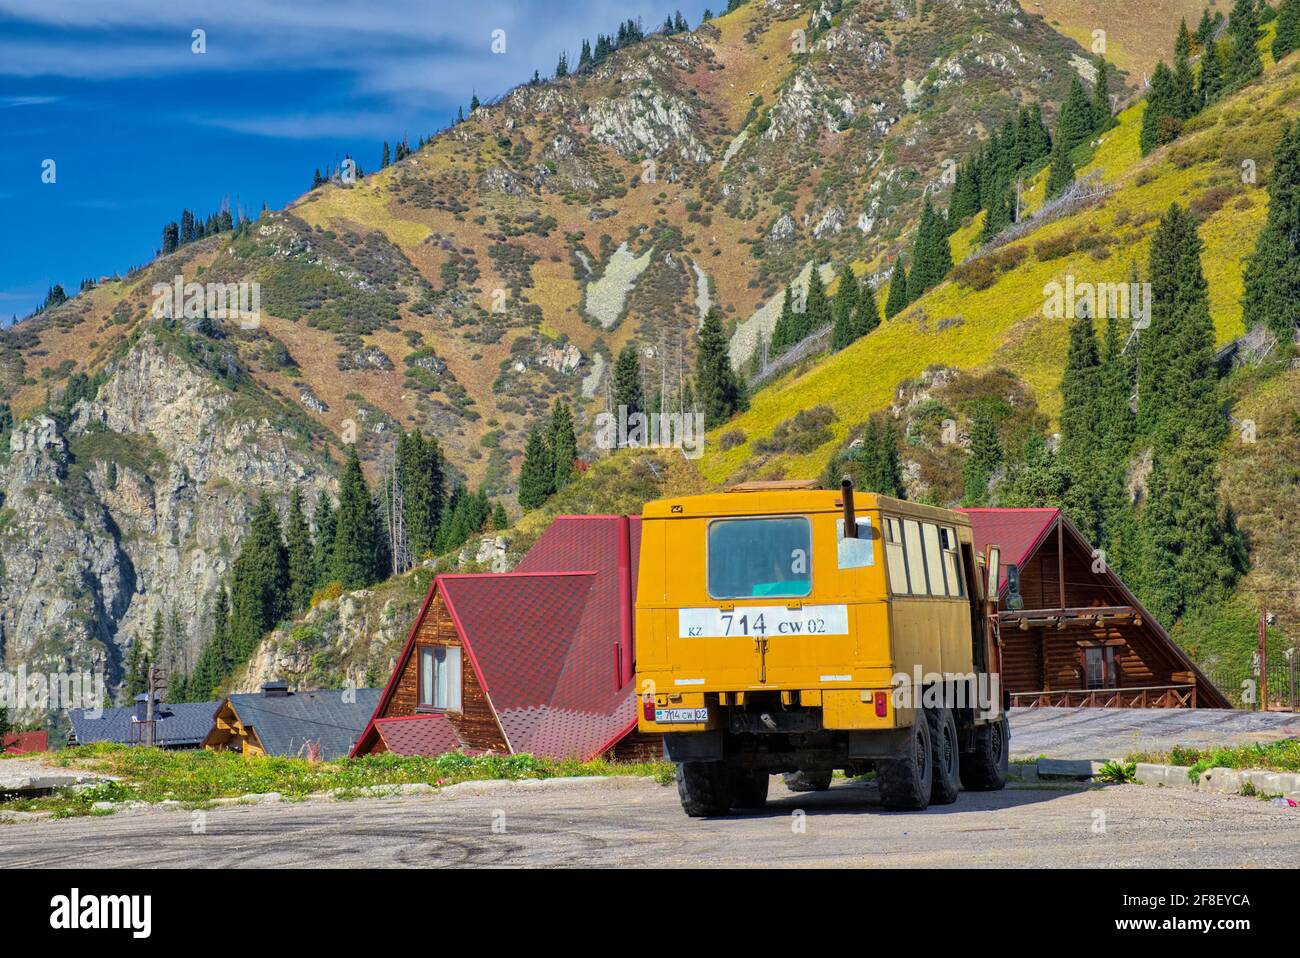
(1222,781)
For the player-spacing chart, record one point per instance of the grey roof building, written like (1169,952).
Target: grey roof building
(275,721)
(176,725)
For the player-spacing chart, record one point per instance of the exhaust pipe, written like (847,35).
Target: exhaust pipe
(850,516)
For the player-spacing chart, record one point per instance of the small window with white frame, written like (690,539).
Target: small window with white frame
(439,678)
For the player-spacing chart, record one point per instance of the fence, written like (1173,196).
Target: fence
(810,345)
(1277,687)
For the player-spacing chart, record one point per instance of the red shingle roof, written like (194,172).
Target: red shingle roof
(1018,531)
(418,734)
(544,640)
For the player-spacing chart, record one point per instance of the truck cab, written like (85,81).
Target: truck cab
(787,629)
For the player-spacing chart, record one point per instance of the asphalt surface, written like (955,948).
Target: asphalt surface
(635,822)
(1115,733)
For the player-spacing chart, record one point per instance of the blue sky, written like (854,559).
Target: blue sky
(140,127)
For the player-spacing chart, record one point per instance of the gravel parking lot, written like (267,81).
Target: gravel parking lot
(633,822)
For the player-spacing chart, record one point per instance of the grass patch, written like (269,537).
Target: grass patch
(1279,756)
(198,777)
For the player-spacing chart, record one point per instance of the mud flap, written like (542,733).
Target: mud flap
(884,743)
(693,746)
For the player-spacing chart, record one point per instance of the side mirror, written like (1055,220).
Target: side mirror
(994,565)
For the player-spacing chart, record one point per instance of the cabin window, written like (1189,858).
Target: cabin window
(752,558)
(952,563)
(933,559)
(440,678)
(896,557)
(915,556)
(855,553)
(1099,666)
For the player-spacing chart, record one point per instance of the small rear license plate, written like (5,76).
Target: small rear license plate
(681,715)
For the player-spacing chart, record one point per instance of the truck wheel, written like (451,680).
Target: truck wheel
(985,769)
(749,788)
(947,756)
(802,781)
(704,788)
(905,781)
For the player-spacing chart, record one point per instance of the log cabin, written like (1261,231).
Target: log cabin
(1080,637)
(538,660)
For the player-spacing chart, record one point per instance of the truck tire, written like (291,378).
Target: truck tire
(947,756)
(704,788)
(749,788)
(985,769)
(802,781)
(905,781)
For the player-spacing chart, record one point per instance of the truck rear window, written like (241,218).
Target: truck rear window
(760,557)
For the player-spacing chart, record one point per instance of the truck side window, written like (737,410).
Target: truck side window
(896,557)
(915,556)
(933,559)
(952,563)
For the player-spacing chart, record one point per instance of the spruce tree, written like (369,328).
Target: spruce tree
(301,562)
(965,196)
(1272,275)
(537,475)
(1184,79)
(421,472)
(783,333)
(355,563)
(897,299)
(1244,62)
(1078,119)
(137,662)
(1288,29)
(323,521)
(1177,385)
(563,443)
(1161,120)
(717,389)
(844,308)
(867,312)
(216,659)
(1102,118)
(627,380)
(1061,173)
(983,459)
(931,255)
(259,581)
(1205,30)
(817,307)
(1210,82)
(1081,426)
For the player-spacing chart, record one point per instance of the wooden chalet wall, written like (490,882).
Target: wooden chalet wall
(1041,659)
(475,723)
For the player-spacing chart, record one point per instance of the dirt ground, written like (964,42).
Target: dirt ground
(633,822)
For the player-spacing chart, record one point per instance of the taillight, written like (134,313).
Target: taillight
(648,707)
(882,704)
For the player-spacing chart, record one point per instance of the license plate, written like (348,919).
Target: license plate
(762,621)
(681,715)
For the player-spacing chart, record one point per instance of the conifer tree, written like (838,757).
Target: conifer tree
(983,460)
(931,255)
(137,663)
(817,307)
(844,308)
(1272,275)
(627,380)
(1184,79)
(562,68)
(897,299)
(1205,30)
(1060,174)
(1102,117)
(1081,425)
(563,443)
(783,333)
(965,196)
(1288,29)
(259,581)
(356,559)
(421,473)
(1078,119)
(298,547)
(718,391)
(1162,118)
(1244,62)
(217,659)
(867,312)
(537,475)
(1210,81)
(323,521)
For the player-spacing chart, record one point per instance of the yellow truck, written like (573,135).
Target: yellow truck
(782,628)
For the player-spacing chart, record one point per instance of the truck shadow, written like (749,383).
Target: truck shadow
(863,798)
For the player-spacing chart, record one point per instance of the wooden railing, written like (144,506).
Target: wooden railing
(1150,697)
